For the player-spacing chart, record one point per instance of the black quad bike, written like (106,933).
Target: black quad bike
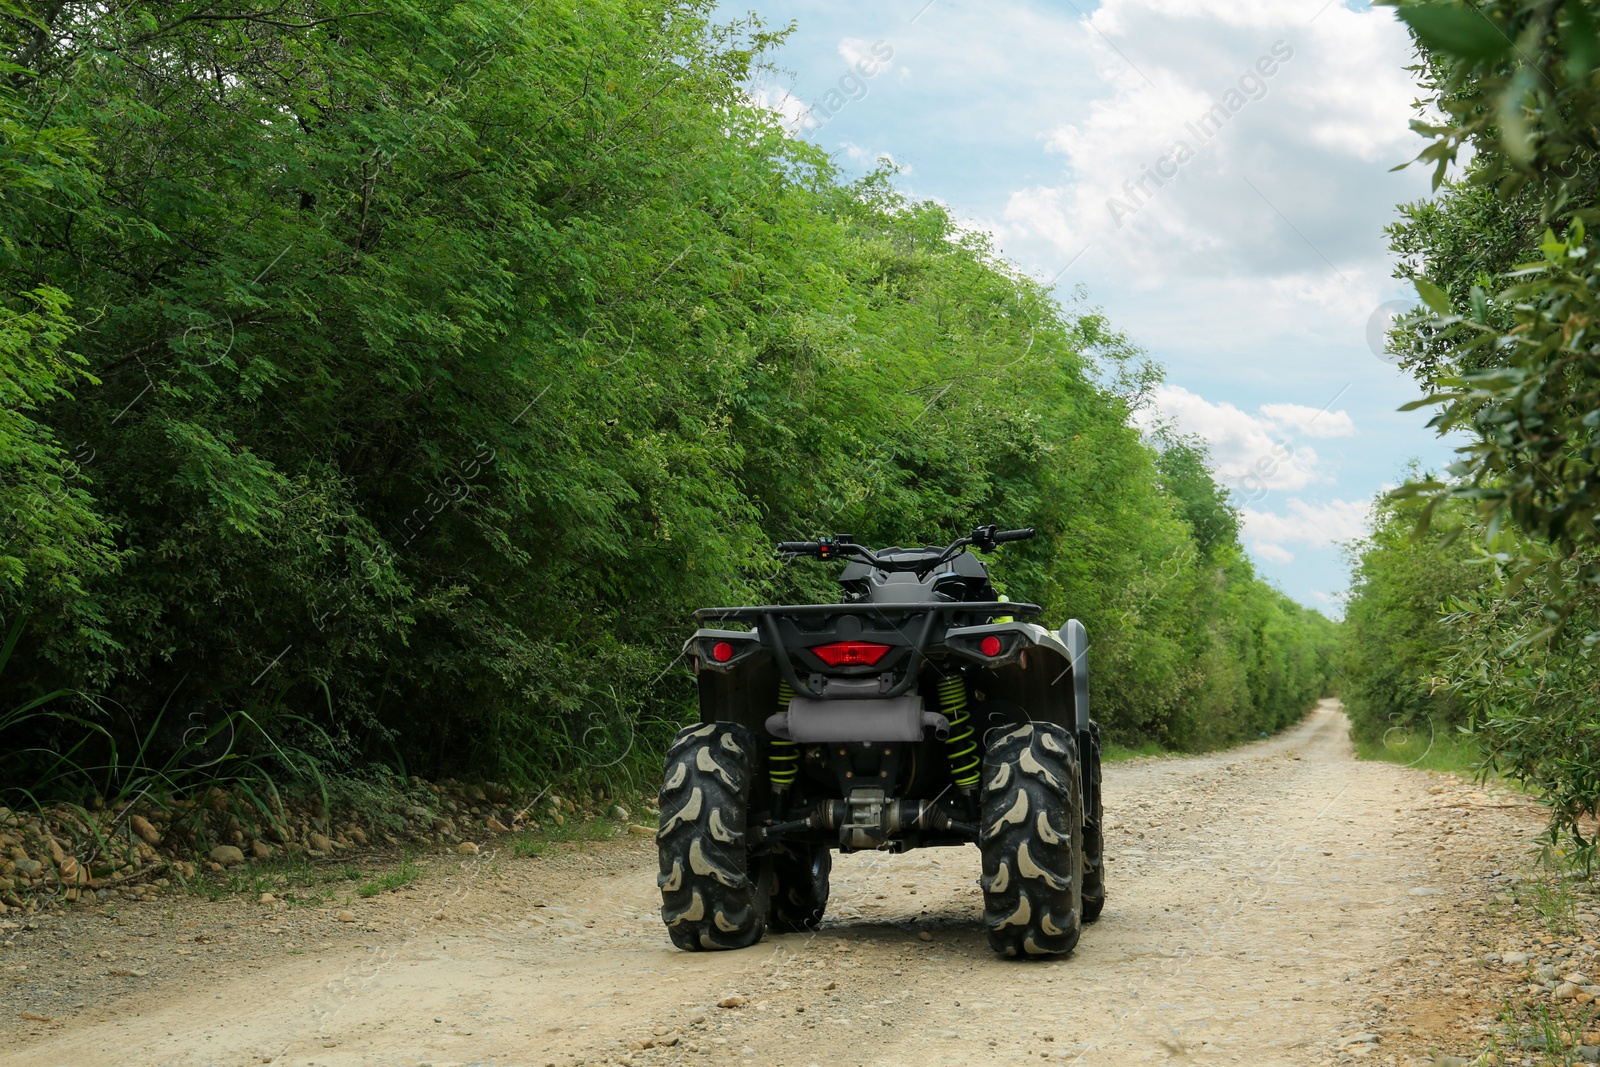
(914,712)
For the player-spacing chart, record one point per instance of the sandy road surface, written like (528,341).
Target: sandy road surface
(1263,904)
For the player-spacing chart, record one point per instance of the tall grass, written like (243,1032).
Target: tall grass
(1440,749)
(61,748)
(1111,752)
(604,741)
(53,766)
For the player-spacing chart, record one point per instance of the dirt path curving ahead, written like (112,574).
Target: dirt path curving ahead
(1265,904)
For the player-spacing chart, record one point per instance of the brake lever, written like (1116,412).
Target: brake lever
(983,538)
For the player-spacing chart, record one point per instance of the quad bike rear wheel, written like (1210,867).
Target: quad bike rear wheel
(1031,842)
(799,886)
(1094,840)
(712,895)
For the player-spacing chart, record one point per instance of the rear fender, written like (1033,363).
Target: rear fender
(1076,638)
(1032,673)
(745,693)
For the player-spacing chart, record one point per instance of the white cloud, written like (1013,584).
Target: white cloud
(1313,422)
(869,58)
(1273,208)
(1273,553)
(1251,455)
(1313,525)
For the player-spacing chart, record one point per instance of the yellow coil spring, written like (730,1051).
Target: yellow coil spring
(960,747)
(784,762)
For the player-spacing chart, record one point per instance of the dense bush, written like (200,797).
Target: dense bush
(1396,640)
(449,353)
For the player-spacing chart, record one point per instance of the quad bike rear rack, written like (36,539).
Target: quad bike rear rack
(770,632)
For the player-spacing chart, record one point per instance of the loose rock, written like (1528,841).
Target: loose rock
(467,848)
(226,855)
(142,826)
(731,1002)
(347,916)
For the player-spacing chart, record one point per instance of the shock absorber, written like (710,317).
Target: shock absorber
(960,747)
(783,763)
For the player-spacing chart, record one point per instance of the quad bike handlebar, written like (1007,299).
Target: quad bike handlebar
(843,546)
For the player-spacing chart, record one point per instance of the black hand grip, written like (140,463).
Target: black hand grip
(1013,535)
(808,548)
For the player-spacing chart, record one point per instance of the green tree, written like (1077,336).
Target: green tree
(52,539)
(1397,647)
(452,353)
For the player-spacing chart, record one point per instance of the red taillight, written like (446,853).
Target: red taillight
(722,652)
(850,653)
(989,646)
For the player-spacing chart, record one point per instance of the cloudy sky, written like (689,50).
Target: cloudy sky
(1214,174)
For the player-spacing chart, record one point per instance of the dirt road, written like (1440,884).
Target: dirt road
(1265,906)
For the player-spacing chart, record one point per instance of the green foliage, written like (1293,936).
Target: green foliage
(1530,409)
(296,880)
(1507,351)
(406,872)
(1442,666)
(537,842)
(51,538)
(1533,701)
(1115,753)
(1395,641)
(1506,345)
(1514,82)
(450,354)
